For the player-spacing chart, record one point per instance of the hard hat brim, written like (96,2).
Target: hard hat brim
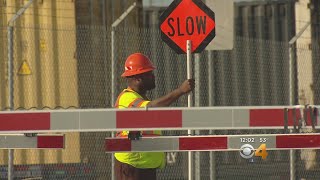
(132,73)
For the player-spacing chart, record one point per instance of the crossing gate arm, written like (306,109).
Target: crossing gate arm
(213,143)
(95,120)
(20,141)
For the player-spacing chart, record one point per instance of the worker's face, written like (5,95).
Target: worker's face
(148,80)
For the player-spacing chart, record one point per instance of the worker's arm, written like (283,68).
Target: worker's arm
(169,98)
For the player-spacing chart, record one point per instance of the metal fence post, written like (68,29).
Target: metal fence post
(113,69)
(10,66)
(211,92)
(10,85)
(113,83)
(113,51)
(290,75)
(197,101)
(10,77)
(291,92)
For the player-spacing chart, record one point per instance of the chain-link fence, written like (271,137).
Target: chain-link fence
(67,68)
(72,68)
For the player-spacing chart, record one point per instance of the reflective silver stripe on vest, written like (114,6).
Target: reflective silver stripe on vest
(136,102)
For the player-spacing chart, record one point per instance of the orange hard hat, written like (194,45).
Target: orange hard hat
(137,63)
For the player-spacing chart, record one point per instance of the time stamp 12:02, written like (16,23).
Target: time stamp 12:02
(253,140)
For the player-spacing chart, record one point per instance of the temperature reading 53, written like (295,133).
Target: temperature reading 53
(263,140)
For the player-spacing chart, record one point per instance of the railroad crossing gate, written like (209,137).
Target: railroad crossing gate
(20,141)
(284,117)
(214,143)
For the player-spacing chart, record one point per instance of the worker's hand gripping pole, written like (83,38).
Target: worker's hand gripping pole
(134,135)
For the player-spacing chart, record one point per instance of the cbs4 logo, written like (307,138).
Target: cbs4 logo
(247,151)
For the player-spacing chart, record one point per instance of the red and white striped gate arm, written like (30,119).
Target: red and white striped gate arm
(147,119)
(213,143)
(20,141)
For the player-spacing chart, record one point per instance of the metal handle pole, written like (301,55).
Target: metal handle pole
(189,69)
(190,174)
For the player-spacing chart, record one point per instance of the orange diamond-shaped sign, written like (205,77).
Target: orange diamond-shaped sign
(187,20)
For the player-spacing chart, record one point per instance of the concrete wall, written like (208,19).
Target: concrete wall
(315,14)
(305,70)
(304,54)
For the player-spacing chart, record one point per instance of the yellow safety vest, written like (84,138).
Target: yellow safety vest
(131,99)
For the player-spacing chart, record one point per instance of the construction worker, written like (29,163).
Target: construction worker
(140,79)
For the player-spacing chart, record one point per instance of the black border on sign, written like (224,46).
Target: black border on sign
(162,18)
(171,43)
(212,34)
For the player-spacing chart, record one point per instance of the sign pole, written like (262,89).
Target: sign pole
(189,70)
(179,27)
(189,105)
